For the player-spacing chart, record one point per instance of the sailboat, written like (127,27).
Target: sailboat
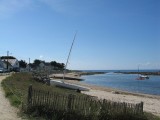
(141,77)
(62,83)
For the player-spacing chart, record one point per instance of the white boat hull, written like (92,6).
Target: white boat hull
(143,77)
(59,83)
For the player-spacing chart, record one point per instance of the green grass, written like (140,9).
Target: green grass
(16,88)
(150,116)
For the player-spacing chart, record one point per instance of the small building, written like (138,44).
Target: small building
(1,64)
(10,63)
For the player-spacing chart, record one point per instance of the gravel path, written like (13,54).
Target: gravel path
(7,112)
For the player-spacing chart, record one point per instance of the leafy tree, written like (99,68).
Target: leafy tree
(61,65)
(53,63)
(22,64)
(57,65)
(36,62)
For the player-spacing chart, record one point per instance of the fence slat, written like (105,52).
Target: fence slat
(30,96)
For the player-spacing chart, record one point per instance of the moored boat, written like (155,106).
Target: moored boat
(142,77)
(60,83)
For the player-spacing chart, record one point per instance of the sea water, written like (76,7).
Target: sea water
(126,82)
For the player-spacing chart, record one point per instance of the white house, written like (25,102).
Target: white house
(1,64)
(10,62)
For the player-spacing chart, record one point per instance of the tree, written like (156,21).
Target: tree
(53,63)
(22,64)
(57,65)
(61,65)
(37,62)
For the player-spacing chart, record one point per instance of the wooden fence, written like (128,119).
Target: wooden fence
(46,102)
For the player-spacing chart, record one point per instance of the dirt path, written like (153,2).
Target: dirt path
(7,112)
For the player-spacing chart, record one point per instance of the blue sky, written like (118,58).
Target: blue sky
(112,34)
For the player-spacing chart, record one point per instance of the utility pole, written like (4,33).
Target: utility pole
(29,65)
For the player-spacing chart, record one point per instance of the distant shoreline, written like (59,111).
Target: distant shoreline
(142,73)
(91,73)
(116,71)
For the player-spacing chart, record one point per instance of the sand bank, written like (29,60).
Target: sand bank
(151,102)
(68,76)
(73,75)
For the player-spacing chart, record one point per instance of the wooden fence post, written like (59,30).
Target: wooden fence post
(141,106)
(30,95)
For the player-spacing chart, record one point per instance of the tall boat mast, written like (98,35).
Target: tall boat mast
(61,83)
(64,71)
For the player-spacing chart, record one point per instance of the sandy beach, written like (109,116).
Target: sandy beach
(7,112)
(151,102)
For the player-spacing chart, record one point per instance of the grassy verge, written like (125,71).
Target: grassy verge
(16,89)
(150,116)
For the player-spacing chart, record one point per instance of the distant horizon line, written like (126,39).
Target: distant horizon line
(115,69)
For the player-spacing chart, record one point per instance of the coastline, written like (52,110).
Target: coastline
(151,102)
(142,73)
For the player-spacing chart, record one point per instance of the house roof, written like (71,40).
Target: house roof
(11,60)
(7,57)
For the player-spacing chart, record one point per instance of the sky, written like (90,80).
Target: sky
(111,34)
